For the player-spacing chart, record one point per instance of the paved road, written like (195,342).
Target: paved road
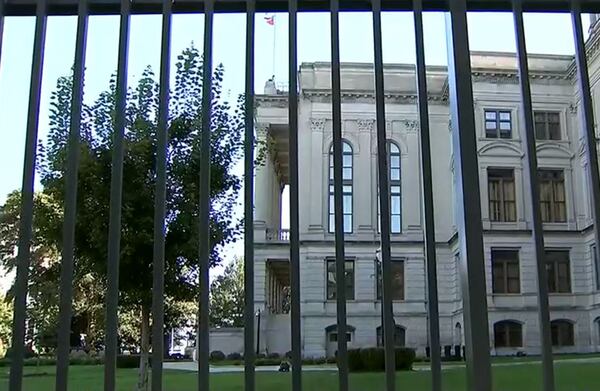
(192,366)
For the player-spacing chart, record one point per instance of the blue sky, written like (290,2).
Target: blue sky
(545,33)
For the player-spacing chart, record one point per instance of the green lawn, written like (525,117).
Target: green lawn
(570,376)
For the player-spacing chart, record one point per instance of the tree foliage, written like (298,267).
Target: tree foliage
(139,172)
(227,296)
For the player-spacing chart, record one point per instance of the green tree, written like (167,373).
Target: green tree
(6,315)
(42,303)
(227,296)
(96,149)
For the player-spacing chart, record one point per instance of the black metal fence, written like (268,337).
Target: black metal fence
(465,152)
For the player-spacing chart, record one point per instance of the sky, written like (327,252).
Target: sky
(545,33)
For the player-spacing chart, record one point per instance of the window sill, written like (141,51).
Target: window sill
(507,294)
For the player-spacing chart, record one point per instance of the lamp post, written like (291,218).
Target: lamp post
(257,331)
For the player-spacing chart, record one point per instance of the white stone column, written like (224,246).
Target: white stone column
(411,174)
(362,177)
(263,186)
(317,171)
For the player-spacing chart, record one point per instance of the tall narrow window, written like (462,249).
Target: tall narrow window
(505,271)
(397,279)
(395,182)
(508,334)
(501,189)
(395,189)
(558,269)
(596,262)
(547,125)
(346,188)
(331,281)
(498,124)
(562,333)
(399,336)
(552,196)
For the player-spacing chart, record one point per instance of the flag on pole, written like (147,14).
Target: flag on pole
(270,19)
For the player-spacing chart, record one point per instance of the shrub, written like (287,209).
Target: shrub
(308,361)
(288,354)
(405,357)
(373,359)
(261,355)
(273,355)
(129,360)
(261,362)
(355,363)
(217,355)
(234,356)
(320,361)
(330,360)
(29,353)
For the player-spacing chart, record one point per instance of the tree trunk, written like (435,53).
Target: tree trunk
(142,384)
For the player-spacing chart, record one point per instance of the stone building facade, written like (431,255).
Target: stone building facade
(574,273)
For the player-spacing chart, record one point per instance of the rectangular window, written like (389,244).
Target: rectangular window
(547,125)
(501,189)
(558,269)
(397,280)
(331,282)
(552,196)
(333,337)
(498,124)
(596,261)
(505,271)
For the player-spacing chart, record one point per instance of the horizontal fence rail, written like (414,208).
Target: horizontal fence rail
(69,7)
(466,166)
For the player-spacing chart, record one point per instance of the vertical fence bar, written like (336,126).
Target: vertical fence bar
(116,195)
(384,203)
(340,259)
(428,208)
(472,271)
(534,192)
(204,206)
(294,199)
(26,219)
(70,216)
(162,135)
(249,355)
(587,118)
(1,26)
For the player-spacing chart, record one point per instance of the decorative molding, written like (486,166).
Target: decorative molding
(573,108)
(411,125)
(450,125)
(317,124)
(280,101)
(349,96)
(365,125)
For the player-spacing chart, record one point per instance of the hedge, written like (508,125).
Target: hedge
(217,355)
(35,361)
(130,360)
(373,359)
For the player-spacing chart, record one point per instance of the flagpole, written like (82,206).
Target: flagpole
(274,45)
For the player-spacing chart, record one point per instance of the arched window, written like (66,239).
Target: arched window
(399,336)
(508,334)
(562,333)
(346,188)
(597,324)
(394,179)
